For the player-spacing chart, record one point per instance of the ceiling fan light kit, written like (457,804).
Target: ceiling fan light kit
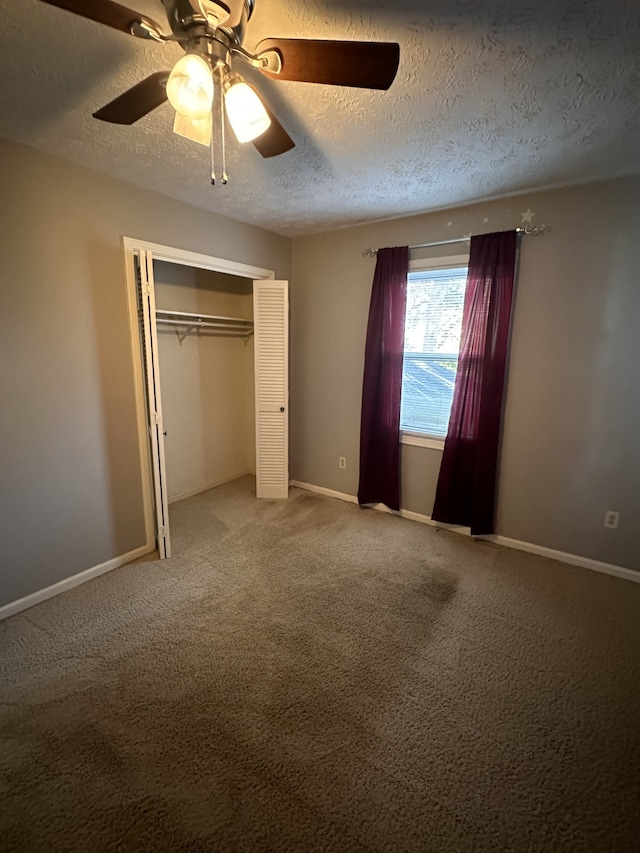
(246,112)
(190,87)
(196,129)
(204,83)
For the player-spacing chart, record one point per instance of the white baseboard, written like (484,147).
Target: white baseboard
(34,598)
(181,496)
(320,490)
(571,559)
(505,541)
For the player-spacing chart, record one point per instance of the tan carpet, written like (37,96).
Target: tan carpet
(309,676)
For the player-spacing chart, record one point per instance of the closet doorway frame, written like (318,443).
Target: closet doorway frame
(173,255)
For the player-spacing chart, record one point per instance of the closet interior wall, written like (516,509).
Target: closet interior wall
(206,381)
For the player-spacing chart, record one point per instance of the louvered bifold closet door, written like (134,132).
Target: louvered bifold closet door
(271,336)
(149,334)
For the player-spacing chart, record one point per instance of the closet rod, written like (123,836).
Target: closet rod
(239,322)
(202,324)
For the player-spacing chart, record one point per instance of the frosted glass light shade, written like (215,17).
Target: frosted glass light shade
(196,129)
(246,112)
(190,87)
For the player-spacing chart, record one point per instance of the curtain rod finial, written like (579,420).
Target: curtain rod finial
(369,253)
(533,230)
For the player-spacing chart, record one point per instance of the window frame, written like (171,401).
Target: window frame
(425,439)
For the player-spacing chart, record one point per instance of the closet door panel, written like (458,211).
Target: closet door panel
(147,307)
(271,336)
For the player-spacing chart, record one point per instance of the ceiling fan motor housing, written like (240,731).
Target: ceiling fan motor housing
(216,13)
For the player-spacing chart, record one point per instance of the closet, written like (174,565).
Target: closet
(215,380)
(206,376)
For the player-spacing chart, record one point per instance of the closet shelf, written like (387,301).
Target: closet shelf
(237,325)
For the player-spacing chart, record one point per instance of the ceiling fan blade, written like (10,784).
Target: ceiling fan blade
(363,64)
(105,12)
(275,140)
(137,101)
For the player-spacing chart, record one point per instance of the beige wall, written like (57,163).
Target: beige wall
(70,487)
(206,381)
(571,449)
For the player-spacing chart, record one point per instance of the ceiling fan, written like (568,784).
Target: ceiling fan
(205,80)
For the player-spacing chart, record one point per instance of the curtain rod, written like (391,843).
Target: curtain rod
(528,230)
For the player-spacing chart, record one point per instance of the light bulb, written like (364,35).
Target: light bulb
(190,87)
(246,112)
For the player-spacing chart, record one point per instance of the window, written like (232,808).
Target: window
(435,298)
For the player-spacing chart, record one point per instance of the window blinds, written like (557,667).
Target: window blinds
(433,322)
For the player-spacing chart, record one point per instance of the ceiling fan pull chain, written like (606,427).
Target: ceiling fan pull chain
(214,133)
(213,155)
(223,137)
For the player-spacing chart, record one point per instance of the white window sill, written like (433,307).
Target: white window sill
(418,440)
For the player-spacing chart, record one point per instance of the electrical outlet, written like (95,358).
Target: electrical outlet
(611,519)
(342,461)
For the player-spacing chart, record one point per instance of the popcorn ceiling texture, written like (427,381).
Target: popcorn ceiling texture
(307,676)
(492,97)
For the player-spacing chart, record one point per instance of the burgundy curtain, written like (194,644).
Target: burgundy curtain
(466,490)
(382,385)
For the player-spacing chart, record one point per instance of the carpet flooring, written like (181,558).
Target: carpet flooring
(310,676)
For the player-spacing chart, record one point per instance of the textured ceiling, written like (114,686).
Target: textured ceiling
(492,97)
